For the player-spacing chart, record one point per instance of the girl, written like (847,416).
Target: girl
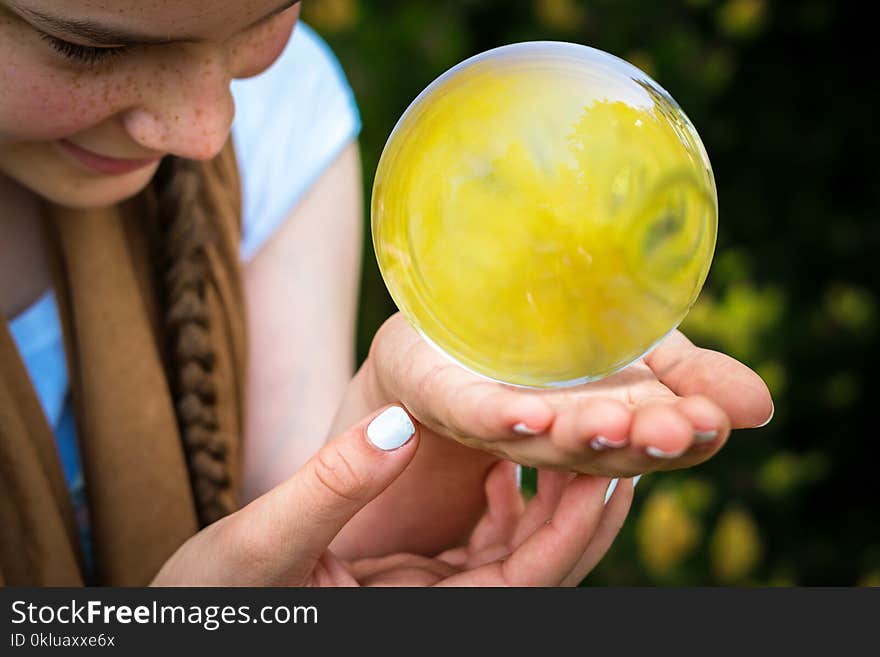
(135,232)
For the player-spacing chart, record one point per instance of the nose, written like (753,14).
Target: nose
(188,109)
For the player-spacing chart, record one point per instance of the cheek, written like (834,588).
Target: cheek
(49,105)
(259,49)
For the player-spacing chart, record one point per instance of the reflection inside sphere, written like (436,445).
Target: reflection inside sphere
(544,213)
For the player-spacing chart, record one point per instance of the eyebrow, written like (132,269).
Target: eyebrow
(116,36)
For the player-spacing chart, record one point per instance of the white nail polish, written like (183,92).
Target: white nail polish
(601,442)
(767,421)
(523,429)
(660,454)
(610,492)
(705,436)
(391,429)
(519,476)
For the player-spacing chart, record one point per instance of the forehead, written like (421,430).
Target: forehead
(165,18)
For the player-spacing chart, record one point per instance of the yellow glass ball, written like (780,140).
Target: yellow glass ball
(544,214)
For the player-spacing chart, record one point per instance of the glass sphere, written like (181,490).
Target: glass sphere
(544,213)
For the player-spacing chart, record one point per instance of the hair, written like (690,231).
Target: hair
(185,232)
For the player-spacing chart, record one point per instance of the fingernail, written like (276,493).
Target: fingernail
(523,429)
(391,429)
(601,442)
(658,453)
(519,476)
(767,421)
(610,491)
(705,436)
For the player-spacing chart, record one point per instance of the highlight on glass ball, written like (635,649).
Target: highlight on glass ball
(544,214)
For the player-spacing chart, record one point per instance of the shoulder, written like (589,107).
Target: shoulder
(306,64)
(291,122)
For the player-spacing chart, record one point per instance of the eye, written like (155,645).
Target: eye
(83,54)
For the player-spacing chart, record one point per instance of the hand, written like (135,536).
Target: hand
(554,540)
(281,538)
(673,409)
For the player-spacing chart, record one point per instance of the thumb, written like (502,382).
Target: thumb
(304,514)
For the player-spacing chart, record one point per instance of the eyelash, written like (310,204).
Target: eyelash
(91,55)
(88,55)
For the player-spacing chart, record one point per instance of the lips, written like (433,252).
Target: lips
(101,163)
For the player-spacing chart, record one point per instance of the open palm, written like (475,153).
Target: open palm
(672,409)
(554,540)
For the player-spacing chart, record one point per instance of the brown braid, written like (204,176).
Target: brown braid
(186,230)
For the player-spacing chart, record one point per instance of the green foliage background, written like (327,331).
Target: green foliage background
(780,95)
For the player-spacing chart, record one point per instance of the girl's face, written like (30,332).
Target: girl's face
(94,92)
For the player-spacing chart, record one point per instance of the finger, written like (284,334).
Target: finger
(661,431)
(666,435)
(504,506)
(612,520)
(490,554)
(689,370)
(551,484)
(329,571)
(479,409)
(456,557)
(551,553)
(709,421)
(538,511)
(300,517)
(397,569)
(595,424)
(446,396)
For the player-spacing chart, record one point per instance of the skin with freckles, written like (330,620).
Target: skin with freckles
(141,103)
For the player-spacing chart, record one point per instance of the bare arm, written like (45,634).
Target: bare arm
(302,295)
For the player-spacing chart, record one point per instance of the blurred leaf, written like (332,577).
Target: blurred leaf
(433,30)
(528,482)
(666,533)
(696,494)
(842,390)
(782,577)
(735,546)
(737,321)
(332,15)
(560,15)
(775,376)
(643,61)
(851,307)
(871,579)
(785,471)
(814,15)
(732,266)
(742,18)
(717,69)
